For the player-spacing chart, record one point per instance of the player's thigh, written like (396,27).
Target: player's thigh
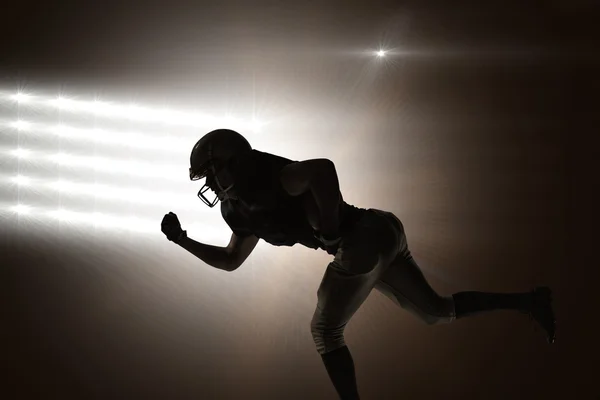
(359,263)
(372,244)
(340,295)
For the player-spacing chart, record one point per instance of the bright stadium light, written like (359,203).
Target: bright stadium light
(131,168)
(21,97)
(138,113)
(104,220)
(21,209)
(116,222)
(126,195)
(381,53)
(111,165)
(110,192)
(21,180)
(21,153)
(21,125)
(61,102)
(100,107)
(130,139)
(112,222)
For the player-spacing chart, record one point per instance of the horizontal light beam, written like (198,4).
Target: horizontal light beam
(132,168)
(115,222)
(110,192)
(21,180)
(21,209)
(130,223)
(139,113)
(110,165)
(21,97)
(142,141)
(21,125)
(21,153)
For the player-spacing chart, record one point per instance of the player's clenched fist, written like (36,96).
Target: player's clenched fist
(171,227)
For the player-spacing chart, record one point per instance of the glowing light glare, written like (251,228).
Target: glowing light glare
(111,222)
(62,102)
(170,115)
(64,186)
(255,126)
(381,53)
(100,107)
(116,222)
(21,125)
(21,153)
(104,220)
(137,112)
(131,168)
(21,97)
(21,180)
(118,166)
(135,196)
(130,139)
(21,209)
(94,107)
(59,214)
(108,192)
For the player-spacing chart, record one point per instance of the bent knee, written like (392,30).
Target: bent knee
(439,312)
(326,337)
(433,311)
(431,319)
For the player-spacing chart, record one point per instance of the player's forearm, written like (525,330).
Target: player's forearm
(215,256)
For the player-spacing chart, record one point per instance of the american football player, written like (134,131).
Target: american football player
(285,202)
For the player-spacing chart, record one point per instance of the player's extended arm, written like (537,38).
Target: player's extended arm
(227,258)
(320,178)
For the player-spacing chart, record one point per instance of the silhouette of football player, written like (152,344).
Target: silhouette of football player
(285,202)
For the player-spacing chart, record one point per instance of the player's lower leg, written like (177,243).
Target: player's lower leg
(471,303)
(536,303)
(340,368)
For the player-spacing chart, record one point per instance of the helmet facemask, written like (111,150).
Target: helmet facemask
(203,172)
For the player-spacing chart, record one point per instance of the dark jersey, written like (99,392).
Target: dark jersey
(266,210)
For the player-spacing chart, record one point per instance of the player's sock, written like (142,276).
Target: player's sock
(340,367)
(469,303)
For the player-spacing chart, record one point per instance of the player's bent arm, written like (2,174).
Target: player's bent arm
(225,258)
(239,248)
(215,256)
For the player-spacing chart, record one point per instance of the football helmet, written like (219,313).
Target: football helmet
(211,154)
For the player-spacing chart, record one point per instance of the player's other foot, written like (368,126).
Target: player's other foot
(541,311)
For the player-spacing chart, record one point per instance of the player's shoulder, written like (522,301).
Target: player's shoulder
(265,156)
(261,161)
